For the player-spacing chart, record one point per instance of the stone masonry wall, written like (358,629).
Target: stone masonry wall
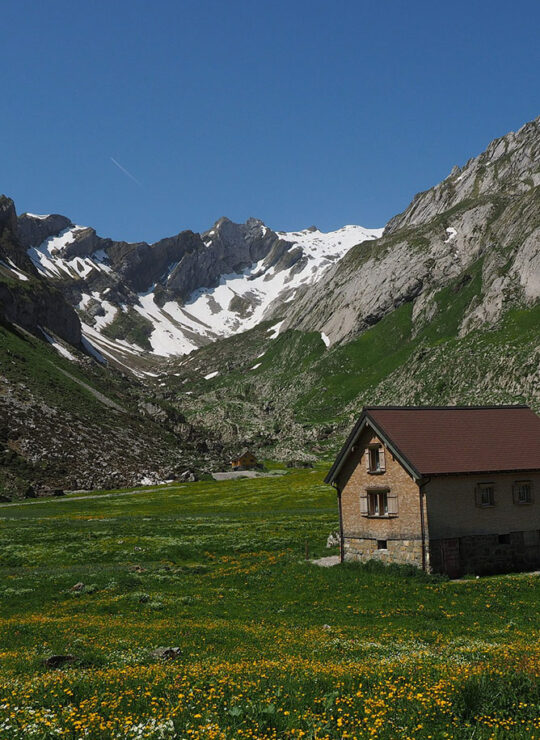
(397,551)
(486,554)
(402,532)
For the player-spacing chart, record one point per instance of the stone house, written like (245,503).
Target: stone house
(450,489)
(244,460)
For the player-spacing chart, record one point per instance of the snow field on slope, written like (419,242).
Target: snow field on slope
(49,261)
(207,314)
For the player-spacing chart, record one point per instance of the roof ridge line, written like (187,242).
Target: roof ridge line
(446,408)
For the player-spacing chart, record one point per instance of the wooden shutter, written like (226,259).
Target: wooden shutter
(515,491)
(478,495)
(381,459)
(392,499)
(364,503)
(367,459)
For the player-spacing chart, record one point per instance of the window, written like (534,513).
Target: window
(382,545)
(504,539)
(378,502)
(522,490)
(375,459)
(485,494)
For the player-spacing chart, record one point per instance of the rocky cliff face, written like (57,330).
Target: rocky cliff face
(488,211)
(27,299)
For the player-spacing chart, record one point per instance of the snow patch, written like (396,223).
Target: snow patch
(256,366)
(452,233)
(57,346)
(274,330)
(211,375)
(49,260)
(93,351)
(12,267)
(325,339)
(172,326)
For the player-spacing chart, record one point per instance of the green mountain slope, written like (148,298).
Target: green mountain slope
(72,423)
(303,397)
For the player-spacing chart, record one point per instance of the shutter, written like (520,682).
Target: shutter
(364,503)
(515,492)
(392,503)
(381,459)
(367,459)
(478,496)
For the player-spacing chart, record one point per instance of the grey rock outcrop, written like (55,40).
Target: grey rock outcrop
(488,210)
(32,302)
(32,231)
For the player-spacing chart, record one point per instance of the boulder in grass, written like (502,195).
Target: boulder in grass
(167,653)
(334,539)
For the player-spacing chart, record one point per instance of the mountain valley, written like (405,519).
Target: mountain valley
(123,363)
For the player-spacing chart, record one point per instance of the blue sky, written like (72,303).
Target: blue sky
(300,112)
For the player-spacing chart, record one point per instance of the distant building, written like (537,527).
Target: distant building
(450,489)
(245,460)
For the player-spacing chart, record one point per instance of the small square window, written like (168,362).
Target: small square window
(382,545)
(504,539)
(523,492)
(485,494)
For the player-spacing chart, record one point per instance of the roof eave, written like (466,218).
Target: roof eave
(358,428)
(480,472)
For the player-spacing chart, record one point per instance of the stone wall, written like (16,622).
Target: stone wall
(354,479)
(396,551)
(485,554)
(401,532)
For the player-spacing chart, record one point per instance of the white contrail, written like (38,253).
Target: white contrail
(123,169)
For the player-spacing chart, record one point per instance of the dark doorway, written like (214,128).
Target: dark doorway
(450,559)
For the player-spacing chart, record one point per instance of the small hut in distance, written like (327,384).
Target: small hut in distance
(244,461)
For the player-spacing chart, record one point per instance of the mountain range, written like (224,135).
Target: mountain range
(243,335)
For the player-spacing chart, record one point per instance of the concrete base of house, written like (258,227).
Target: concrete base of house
(387,551)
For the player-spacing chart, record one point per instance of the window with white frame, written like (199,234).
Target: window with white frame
(485,494)
(522,490)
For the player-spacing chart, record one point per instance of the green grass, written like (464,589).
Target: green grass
(132,327)
(270,645)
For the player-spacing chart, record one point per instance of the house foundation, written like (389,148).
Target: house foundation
(488,553)
(407,551)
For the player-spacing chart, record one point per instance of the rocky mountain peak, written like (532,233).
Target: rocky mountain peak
(32,229)
(484,218)
(510,165)
(8,215)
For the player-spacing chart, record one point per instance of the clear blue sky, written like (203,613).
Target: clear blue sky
(298,112)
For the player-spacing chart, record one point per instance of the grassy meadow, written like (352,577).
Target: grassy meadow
(269,645)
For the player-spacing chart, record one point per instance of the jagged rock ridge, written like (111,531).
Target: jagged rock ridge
(487,210)
(184,291)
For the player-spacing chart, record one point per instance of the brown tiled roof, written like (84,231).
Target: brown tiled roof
(455,439)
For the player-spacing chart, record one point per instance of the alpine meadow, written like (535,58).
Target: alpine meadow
(191,611)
